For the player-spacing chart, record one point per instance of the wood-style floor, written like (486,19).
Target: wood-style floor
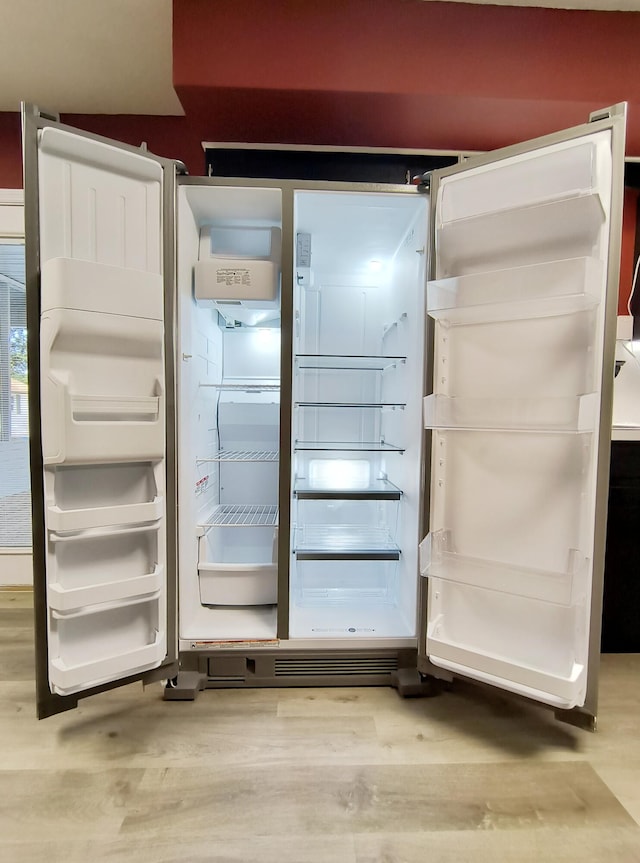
(312,775)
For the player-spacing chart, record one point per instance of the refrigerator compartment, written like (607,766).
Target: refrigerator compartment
(99,566)
(571,415)
(238,567)
(360,583)
(540,290)
(440,559)
(93,648)
(520,236)
(344,362)
(337,542)
(83,285)
(102,387)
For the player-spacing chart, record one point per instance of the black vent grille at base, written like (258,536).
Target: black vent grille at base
(325,667)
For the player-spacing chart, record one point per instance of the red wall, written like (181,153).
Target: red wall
(396,73)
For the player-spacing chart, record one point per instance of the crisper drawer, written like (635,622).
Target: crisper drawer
(341,582)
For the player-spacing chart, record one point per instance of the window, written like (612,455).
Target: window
(15,501)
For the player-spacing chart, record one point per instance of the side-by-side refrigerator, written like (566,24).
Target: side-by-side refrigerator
(304,433)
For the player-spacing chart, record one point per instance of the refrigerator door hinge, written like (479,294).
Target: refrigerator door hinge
(617,110)
(423,181)
(181,168)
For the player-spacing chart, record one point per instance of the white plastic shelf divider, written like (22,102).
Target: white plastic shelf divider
(438,559)
(242,515)
(536,291)
(551,415)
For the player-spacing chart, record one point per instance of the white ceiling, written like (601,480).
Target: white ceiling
(114,56)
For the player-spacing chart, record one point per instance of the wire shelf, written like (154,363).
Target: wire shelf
(243,515)
(241,455)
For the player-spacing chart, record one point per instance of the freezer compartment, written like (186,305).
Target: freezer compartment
(103,566)
(96,644)
(238,565)
(322,583)
(540,290)
(440,559)
(102,387)
(495,637)
(571,415)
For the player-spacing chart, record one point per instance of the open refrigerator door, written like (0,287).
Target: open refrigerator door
(521,302)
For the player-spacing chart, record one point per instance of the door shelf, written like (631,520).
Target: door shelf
(338,362)
(69,678)
(438,559)
(477,241)
(62,521)
(69,600)
(341,542)
(520,293)
(539,684)
(242,515)
(346,446)
(380,489)
(103,429)
(241,456)
(552,415)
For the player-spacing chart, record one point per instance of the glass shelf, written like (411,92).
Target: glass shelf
(342,362)
(340,542)
(241,456)
(372,405)
(379,489)
(438,559)
(568,415)
(244,388)
(541,290)
(345,446)
(243,515)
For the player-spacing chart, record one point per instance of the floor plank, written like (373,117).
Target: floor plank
(352,775)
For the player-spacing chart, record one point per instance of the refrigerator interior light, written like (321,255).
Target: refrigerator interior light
(339,473)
